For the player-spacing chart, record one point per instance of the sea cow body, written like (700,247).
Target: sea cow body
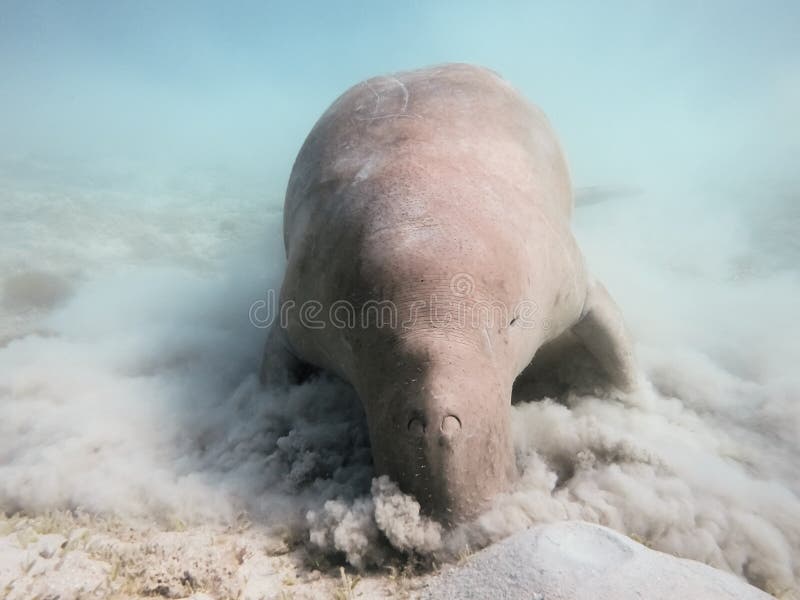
(429,257)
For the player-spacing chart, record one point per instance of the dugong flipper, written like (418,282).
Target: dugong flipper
(279,364)
(603,332)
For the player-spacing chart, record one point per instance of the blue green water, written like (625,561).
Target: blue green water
(163,92)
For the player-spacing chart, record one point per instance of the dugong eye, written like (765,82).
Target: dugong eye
(514,320)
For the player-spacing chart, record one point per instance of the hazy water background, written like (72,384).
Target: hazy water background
(144,150)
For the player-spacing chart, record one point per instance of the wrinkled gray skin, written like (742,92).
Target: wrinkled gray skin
(439,190)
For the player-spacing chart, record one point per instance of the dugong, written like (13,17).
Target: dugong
(429,257)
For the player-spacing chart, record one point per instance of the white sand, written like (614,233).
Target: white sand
(83,557)
(580,561)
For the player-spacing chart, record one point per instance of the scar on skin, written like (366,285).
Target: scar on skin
(405,92)
(402,114)
(488,340)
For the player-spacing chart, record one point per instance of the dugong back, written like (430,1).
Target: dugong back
(453,118)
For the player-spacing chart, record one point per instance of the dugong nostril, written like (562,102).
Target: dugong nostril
(416,426)
(451,424)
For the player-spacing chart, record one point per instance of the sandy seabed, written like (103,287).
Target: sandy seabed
(139,457)
(67,556)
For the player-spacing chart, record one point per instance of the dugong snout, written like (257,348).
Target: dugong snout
(450,448)
(449,427)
